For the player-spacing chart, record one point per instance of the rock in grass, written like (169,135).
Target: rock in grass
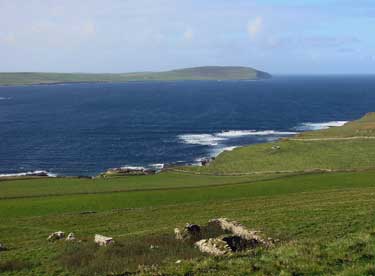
(178,234)
(71,237)
(56,236)
(190,232)
(214,246)
(239,230)
(103,240)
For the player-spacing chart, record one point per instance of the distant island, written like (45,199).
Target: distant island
(195,73)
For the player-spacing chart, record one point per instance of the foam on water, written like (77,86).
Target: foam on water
(30,173)
(157,166)
(135,168)
(240,133)
(215,139)
(201,139)
(318,126)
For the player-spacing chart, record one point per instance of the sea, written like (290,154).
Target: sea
(87,128)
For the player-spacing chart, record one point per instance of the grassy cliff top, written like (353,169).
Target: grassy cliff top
(196,73)
(348,147)
(363,127)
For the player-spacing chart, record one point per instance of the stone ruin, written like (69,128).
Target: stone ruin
(213,246)
(103,240)
(191,232)
(226,237)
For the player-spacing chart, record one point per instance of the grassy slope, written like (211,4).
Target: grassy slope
(299,154)
(300,210)
(365,126)
(197,73)
(324,221)
(64,186)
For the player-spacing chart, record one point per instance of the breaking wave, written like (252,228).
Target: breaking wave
(240,133)
(201,139)
(318,126)
(4,98)
(157,166)
(31,173)
(134,168)
(215,138)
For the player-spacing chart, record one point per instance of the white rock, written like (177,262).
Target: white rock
(216,247)
(71,237)
(103,240)
(56,236)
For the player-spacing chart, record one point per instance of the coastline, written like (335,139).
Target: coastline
(151,169)
(127,81)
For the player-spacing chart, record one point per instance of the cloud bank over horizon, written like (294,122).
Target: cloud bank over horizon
(278,36)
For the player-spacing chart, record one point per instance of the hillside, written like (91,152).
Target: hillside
(196,73)
(322,222)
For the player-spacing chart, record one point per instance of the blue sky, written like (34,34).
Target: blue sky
(279,36)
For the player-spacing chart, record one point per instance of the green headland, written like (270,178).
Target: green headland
(313,193)
(196,73)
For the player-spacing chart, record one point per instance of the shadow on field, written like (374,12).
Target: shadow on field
(14,265)
(125,257)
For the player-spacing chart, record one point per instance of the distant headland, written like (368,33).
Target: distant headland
(195,73)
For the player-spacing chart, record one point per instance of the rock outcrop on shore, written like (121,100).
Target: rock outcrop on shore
(128,171)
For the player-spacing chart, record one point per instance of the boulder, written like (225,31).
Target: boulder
(178,234)
(56,236)
(205,162)
(71,237)
(129,171)
(103,240)
(214,246)
(191,232)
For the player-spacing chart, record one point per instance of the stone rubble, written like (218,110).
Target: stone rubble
(238,229)
(71,237)
(103,240)
(213,246)
(190,232)
(236,237)
(56,236)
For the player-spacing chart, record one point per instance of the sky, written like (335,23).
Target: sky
(277,36)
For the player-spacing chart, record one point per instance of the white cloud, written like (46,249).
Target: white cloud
(254,27)
(188,34)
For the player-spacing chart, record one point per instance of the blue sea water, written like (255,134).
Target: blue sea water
(84,129)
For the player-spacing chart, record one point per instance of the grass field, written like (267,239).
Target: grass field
(324,221)
(197,73)
(300,210)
